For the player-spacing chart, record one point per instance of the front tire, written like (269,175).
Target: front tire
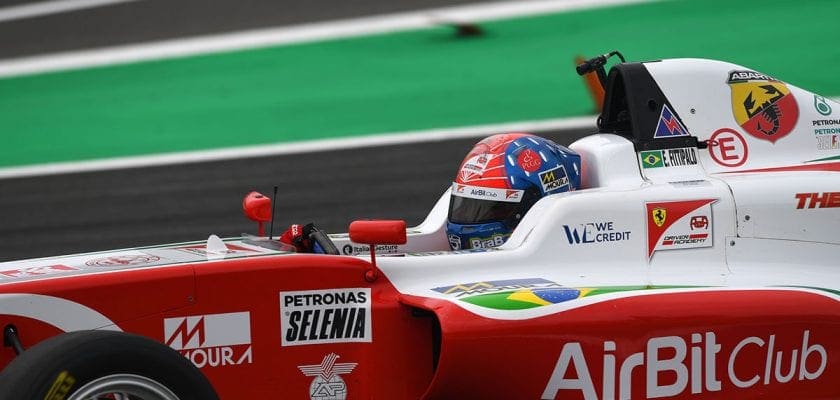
(90,365)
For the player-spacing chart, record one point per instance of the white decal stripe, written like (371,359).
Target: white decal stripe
(310,146)
(482,193)
(587,301)
(345,368)
(61,313)
(52,7)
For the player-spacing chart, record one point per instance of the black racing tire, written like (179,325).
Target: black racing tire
(66,365)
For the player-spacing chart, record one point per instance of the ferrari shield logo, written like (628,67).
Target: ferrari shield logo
(659,214)
(762,106)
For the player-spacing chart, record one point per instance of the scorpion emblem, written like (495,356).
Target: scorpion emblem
(768,110)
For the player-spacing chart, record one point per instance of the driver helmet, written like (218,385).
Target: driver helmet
(498,182)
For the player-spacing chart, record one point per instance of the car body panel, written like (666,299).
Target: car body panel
(697,260)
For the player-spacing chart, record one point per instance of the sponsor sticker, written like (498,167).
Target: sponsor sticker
(529,160)
(353,249)
(764,107)
(830,142)
(36,271)
(817,200)
(475,167)
(454,242)
(669,125)
(232,250)
(827,133)
(554,179)
(693,183)
(123,260)
(679,157)
(728,148)
(659,215)
(212,340)
(512,294)
(683,224)
(821,105)
(684,365)
(483,193)
(327,383)
(325,316)
(651,159)
(595,232)
(492,241)
(61,386)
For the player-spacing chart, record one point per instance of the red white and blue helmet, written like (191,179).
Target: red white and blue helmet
(499,181)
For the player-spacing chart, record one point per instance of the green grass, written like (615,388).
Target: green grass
(521,70)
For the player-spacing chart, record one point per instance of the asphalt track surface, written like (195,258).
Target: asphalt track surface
(153,20)
(72,213)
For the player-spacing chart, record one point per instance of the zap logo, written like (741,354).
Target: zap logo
(327,383)
(669,125)
(762,106)
(683,224)
(211,340)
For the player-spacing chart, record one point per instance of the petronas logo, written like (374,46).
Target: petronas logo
(652,159)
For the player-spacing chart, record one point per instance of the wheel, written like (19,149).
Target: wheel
(93,365)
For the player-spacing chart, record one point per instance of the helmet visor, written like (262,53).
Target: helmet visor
(464,210)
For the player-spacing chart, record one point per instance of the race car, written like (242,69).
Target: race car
(697,261)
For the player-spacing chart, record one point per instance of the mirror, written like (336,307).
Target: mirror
(378,232)
(257,207)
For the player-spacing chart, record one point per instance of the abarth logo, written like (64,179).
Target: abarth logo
(328,383)
(659,214)
(762,106)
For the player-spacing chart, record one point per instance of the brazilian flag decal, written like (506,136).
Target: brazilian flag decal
(652,159)
(526,298)
(523,299)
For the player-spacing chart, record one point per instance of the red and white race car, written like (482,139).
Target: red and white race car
(699,261)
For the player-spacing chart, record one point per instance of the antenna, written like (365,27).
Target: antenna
(597,64)
(273,207)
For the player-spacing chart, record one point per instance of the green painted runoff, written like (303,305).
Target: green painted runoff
(522,69)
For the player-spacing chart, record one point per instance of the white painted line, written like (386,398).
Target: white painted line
(295,34)
(385,139)
(42,8)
